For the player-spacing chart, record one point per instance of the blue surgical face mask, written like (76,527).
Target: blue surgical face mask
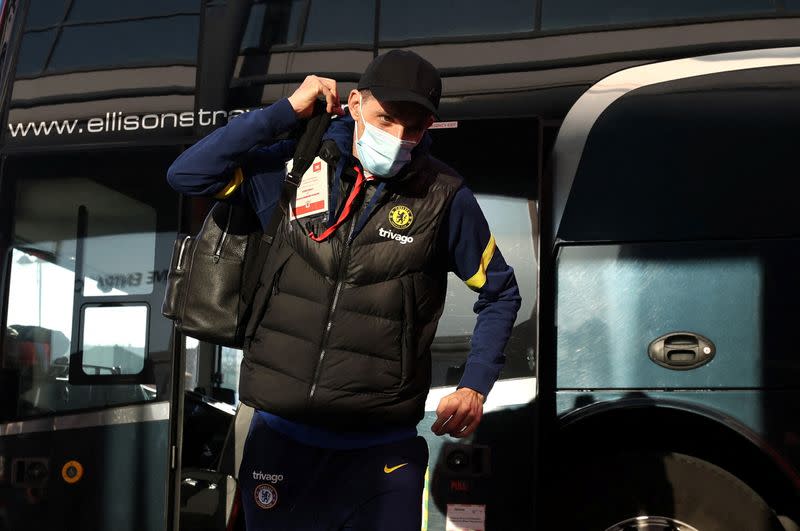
(381,153)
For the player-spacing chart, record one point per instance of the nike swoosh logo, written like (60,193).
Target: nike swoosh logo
(389,469)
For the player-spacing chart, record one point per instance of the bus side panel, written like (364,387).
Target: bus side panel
(122,485)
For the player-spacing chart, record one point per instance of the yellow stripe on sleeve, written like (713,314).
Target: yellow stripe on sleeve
(477,280)
(238,178)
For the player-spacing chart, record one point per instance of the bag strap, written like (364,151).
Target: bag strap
(310,134)
(308,144)
(307,148)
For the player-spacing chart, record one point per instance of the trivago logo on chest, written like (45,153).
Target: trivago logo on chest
(272,478)
(402,238)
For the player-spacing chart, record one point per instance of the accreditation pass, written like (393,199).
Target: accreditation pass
(312,193)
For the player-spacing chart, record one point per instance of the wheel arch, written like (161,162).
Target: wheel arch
(676,426)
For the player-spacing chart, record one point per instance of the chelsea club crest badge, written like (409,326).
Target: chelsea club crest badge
(266,496)
(401,217)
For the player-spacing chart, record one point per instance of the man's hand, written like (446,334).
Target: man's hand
(303,99)
(459,413)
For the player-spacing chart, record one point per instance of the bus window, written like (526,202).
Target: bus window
(230,363)
(39,330)
(171,40)
(101,10)
(102,318)
(561,14)
(272,23)
(44,13)
(326,20)
(417,19)
(34,51)
(53,43)
(108,347)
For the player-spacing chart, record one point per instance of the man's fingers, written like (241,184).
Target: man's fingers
(443,413)
(459,420)
(457,429)
(312,87)
(470,424)
(458,415)
(446,407)
(438,424)
(468,430)
(441,425)
(330,84)
(331,100)
(454,423)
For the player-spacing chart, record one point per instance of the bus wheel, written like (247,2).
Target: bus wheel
(649,491)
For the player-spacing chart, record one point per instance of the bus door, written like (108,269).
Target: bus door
(86,365)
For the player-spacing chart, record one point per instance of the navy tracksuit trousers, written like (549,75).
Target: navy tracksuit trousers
(288,486)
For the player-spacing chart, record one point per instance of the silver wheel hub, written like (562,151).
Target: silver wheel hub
(651,523)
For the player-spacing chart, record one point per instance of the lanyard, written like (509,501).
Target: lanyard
(348,206)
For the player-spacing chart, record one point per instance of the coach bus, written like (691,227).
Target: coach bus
(635,162)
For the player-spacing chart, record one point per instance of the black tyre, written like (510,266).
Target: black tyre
(675,492)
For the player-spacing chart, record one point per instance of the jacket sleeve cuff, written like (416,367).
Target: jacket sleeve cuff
(479,377)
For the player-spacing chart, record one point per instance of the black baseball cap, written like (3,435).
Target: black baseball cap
(401,75)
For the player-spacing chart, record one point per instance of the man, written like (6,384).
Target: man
(337,363)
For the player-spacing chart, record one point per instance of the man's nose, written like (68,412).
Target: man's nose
(405,133)
(399,131)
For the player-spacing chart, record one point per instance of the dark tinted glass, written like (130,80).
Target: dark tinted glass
(274,22)
(793,5)
(44,13)
(702,129)
(35,48)
(95,10)
(413,19)
(130,222)
(143,41)
(348,21)
(562,14)
(204,426)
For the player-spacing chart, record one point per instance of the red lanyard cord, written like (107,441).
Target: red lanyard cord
(348,206)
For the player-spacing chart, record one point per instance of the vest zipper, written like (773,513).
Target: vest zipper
(339,281)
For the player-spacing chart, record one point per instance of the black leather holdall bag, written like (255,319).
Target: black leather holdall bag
(212,275)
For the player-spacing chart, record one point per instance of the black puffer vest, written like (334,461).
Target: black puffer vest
(341,333)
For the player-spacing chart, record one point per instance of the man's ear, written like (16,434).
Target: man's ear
(353,104)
